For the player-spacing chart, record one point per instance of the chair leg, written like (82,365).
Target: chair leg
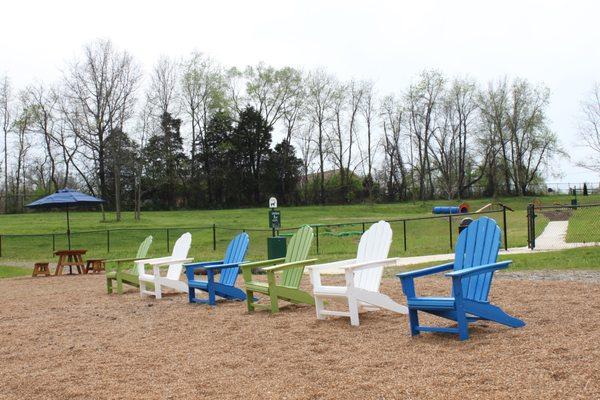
(250,300)
(274,303)
(463,325)
(109,287)
(142,288)
(413,319)
(319,306)
(191,294)
(353,308)
(119,286)
(157,289)
(211,296)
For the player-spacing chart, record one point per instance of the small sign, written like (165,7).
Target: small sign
(274,219)
(272,202)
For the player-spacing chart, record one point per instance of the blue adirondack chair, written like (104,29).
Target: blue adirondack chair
(228,268)
(472,272)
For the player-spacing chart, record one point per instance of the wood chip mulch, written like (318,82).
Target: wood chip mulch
(65,338)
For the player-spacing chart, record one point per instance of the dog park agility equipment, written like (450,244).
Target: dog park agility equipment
(291,267)
(175,262)
(228,268)
(363,277)
(123,270)
(460,209)
(472,272)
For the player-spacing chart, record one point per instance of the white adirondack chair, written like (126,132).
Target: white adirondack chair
(175,262)
(363,277)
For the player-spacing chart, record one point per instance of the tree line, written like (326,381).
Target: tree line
(192,133)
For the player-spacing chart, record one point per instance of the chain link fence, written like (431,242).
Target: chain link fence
(559,227)
(412,236)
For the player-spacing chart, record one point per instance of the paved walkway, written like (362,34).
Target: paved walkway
(554,237)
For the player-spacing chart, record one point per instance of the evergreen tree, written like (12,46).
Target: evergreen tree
(165,165)
(250,144)
(283,172)
(215,159)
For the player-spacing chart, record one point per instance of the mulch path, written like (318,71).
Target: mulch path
(64,337)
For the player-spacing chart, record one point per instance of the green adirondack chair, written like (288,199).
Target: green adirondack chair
(287,287)
(123,271)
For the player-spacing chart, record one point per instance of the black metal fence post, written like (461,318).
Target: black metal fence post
(214,232)
(107,241)
(363,227)
(505,228)
(531,226)
(450,230)
(404,232)
(0,245)
(53,242)
(168,244)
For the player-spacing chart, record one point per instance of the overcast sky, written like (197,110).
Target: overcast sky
(390,42)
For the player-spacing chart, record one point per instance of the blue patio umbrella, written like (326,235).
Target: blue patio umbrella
(65,198)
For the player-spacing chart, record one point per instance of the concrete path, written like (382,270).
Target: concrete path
(554,237)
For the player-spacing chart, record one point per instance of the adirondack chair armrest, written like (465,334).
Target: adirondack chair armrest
(202,264)
(161,262)
(220,266)
(315,270)
(190,269)
(254,264)
(121,260)
(466,272)
(370,264)
(289,265)
(151,260)
(425,271)
(331,265)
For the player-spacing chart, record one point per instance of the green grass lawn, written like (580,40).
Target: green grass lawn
(422,237)
(11,272)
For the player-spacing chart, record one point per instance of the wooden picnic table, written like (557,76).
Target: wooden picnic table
(70,258)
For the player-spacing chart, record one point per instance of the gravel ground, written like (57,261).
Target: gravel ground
(65,338)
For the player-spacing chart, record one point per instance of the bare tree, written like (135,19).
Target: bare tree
(269,90)
(421,101)
(320,95)
(394,144)
(43,106)
(203,88)
(532,143)
(455,130)
(6,115)
(306,143)
(369,111)
(100,93)
(589,128)
(162,93)
(495,139)
(346,106)
(21,127)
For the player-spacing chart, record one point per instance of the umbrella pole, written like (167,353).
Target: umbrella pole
(68,229)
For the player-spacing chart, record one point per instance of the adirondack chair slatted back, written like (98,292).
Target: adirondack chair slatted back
(477,245)
(143,249)
(297,250)
(374,245)
(180,250)
(236,251)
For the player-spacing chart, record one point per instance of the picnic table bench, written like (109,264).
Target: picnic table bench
(70,258)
